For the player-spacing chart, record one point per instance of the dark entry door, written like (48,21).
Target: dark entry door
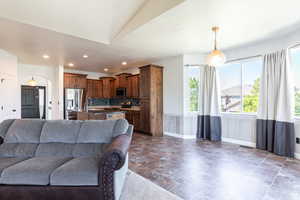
(30,102)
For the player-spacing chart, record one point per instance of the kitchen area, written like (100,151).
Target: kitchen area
(135,97)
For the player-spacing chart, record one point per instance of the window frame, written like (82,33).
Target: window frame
(296,48)
(242,75)
(187,91)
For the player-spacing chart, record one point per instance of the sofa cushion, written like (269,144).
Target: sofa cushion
(78,171)
(24,131)
(17,149)
(101,131)
(55,149)
(4,126)
(60,131)
(89,149)
(7,162)
(34,171)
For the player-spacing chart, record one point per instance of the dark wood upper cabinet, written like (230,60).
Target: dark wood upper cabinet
(108,85)
(151,100)
(94,88)
(77,81)
(133,86)
(113,88)
(145,82)
(121,80)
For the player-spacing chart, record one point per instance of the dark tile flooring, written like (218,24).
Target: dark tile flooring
(204,170)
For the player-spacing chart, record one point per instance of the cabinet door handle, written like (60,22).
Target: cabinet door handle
(14,110)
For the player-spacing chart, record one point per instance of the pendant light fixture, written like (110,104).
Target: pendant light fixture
(32,82)
(216,57)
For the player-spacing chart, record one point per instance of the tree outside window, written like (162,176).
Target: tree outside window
(251,100)
(194,91)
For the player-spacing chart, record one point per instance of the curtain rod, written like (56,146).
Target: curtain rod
(294,46)
(244,58)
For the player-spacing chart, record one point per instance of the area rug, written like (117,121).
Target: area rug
(138,188)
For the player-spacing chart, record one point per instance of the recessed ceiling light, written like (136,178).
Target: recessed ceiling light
(124,63)
(71,65)
(45,56)
(106,69)
(85,56)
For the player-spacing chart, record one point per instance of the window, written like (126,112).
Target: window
(231,88)
(192,78)
(239,83)
(295,61)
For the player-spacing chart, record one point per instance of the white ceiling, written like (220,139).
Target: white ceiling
(137,31)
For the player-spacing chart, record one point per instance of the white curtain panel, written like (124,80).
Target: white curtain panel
(209,120)
(275,123)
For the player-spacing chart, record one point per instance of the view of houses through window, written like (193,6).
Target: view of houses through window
(240,84)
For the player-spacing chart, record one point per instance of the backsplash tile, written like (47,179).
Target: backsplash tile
(98,102)
(112,101)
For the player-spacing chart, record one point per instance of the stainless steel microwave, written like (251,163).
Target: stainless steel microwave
(121,92)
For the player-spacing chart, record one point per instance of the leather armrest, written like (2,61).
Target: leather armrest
(113,159)
(115,155)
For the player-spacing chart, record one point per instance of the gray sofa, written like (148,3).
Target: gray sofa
(61,159)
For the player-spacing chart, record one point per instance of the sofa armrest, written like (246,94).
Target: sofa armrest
(115,155)
(113,159)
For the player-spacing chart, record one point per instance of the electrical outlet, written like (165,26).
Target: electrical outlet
(298,140)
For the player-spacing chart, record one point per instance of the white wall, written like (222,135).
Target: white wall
(265,46)
(60,77)
(47,76)
(173,84)
(10,98)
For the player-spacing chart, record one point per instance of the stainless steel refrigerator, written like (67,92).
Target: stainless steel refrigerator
(74,100)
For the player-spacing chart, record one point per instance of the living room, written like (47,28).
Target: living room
(148,99)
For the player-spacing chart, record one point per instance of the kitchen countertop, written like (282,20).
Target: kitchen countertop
(105,111)
(118,108)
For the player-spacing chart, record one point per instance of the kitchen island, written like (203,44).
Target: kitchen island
(101,115)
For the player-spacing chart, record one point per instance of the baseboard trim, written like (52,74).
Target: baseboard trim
(297,156)
(240,142)
(180,136)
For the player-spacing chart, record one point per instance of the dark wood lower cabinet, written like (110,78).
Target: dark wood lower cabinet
(145,116)
(133,117)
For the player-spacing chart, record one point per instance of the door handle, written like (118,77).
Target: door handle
(14,110)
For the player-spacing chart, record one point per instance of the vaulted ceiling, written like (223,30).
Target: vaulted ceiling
(136,31)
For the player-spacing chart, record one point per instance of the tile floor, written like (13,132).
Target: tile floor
(204,170)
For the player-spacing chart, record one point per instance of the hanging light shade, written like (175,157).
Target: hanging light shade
(216,57)
(32,82)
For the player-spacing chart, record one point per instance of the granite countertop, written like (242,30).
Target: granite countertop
(106,111)
(113,108)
